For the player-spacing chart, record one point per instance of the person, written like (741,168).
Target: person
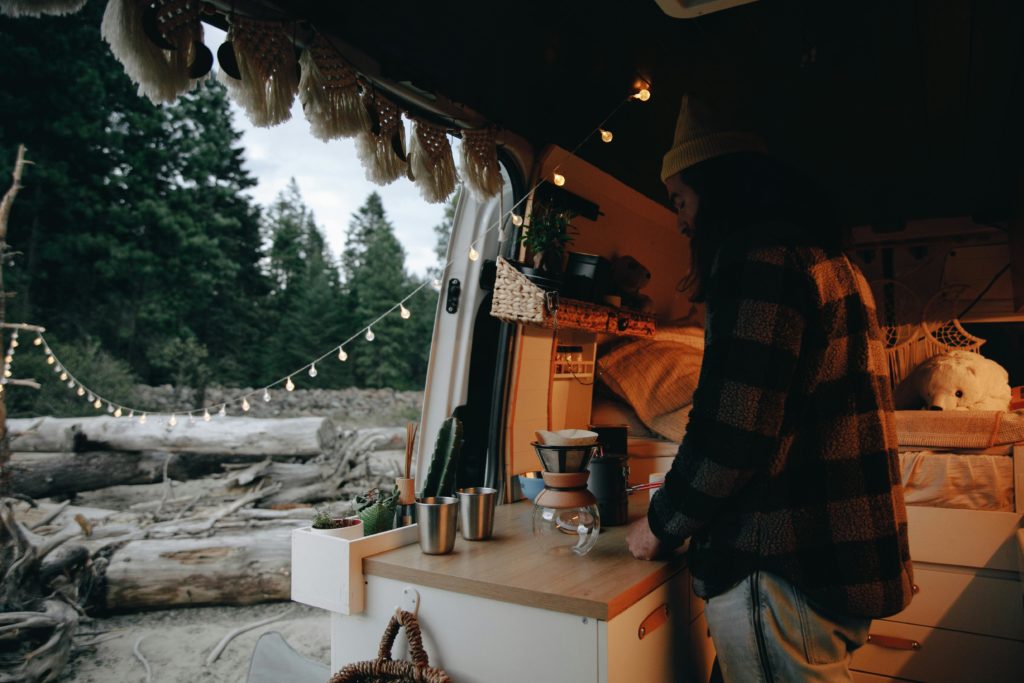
(786,482)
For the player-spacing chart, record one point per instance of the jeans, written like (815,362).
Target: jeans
(766,631)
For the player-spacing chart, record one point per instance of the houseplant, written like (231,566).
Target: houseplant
(325,523)
(545,238)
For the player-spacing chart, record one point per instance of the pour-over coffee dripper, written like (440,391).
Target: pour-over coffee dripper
(565,514)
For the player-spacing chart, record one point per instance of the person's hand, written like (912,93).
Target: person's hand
(642,542)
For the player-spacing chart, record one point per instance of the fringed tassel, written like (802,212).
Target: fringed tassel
(162,73)
(329,91)
(480,168)
(382,147)
(37,8)
(270,75)
(431,161)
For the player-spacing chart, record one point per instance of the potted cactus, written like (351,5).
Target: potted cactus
(343,527)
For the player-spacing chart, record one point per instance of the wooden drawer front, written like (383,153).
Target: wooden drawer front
(968,538)
(963,601)
(943,657)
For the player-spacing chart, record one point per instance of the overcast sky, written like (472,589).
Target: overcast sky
(332,180)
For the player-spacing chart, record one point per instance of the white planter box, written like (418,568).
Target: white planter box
(327,571)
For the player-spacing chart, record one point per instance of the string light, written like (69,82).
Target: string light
(517,220)
(404,312)
(643,94)
(71,384)
(342,355)
(63,376)
(289,385)
(606,135)
(312,370)
(473,254)
(8,358)
(97,404)
(142,419)
(206,416)
(245,405)
(118,413)
(50,360)
(191,419)
(91,398)
(558,179)
(110,407)
(370,336)
(266,395)
(174,420)
(131,414)
(37,341)
(81,391)
(223,410)
(436,284)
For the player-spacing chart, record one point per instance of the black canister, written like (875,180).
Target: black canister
(614,439)
(609,475)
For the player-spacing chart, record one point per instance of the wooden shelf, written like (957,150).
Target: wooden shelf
(583,315)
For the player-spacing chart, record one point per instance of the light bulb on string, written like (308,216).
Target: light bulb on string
(91,397)
(206,415)
(370,336)
(118,413)
(174,420)
(266,395)
(289,385)
(131,414)
(14,343)
(50,360)
(58,368)
(558,179)
(110,407)
(474,255)
(245,405)
(643,94)
(97,404)
(342,354)
(404,312)
(8,373)
(38,341)
(71,384)
(81,391)
(312,370)
(517,220)
(436,284)
(191,419)
(606,135)
(63,376)
(142,419)
(8,358)
(223,411)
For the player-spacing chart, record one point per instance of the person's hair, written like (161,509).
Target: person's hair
(751,196)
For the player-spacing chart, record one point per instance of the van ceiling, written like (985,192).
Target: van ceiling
(901,109)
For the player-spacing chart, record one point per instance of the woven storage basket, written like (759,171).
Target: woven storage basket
(517,300)
(387,670)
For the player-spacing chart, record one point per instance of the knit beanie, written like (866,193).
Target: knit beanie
(698,139)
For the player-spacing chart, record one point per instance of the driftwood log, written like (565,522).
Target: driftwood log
(240,569)
(295,437)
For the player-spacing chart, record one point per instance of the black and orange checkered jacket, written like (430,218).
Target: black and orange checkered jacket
(789,464)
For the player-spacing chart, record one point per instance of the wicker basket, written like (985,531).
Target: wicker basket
(517,300)
(387,670)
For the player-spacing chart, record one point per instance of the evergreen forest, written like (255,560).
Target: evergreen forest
(135,243)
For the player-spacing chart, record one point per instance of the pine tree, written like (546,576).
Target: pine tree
(373,263)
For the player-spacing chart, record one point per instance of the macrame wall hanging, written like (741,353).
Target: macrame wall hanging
(431,162)
(913,333)
(159,44)
(480,169)
(382,147)
(268,68)
(329,91)
(37,8)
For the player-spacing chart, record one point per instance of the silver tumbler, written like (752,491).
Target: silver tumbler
(437,519)
(476,512)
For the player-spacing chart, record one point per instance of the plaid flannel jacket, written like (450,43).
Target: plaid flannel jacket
(789,463)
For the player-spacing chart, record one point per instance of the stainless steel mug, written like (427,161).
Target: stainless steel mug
(476,512)
(437,519)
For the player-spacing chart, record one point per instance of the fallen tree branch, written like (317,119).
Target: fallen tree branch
(240,630)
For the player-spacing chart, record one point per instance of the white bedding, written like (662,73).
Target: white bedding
(955,480)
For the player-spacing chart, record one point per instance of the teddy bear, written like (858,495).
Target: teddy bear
(629,276)
(955,380)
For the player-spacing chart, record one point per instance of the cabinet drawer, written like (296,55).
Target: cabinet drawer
(964,601)
(943,656)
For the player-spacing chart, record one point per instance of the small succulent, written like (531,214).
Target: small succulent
(322,518)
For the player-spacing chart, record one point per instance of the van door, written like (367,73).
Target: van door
(469,348)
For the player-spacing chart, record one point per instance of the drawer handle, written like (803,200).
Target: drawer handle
(893,642)
(915,589)
(652,621)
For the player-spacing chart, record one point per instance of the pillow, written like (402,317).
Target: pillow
(656,378)
(613,411)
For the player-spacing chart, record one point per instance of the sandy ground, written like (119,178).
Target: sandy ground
(177,643)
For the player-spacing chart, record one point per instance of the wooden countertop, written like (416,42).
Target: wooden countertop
(511,567)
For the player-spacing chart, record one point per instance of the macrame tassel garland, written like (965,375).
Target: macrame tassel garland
(37,8)
(431,162)
(133,28)
(329,91)
(266,61)
(480,169)
(382,147)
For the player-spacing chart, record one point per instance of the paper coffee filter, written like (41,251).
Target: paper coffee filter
(566,437)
